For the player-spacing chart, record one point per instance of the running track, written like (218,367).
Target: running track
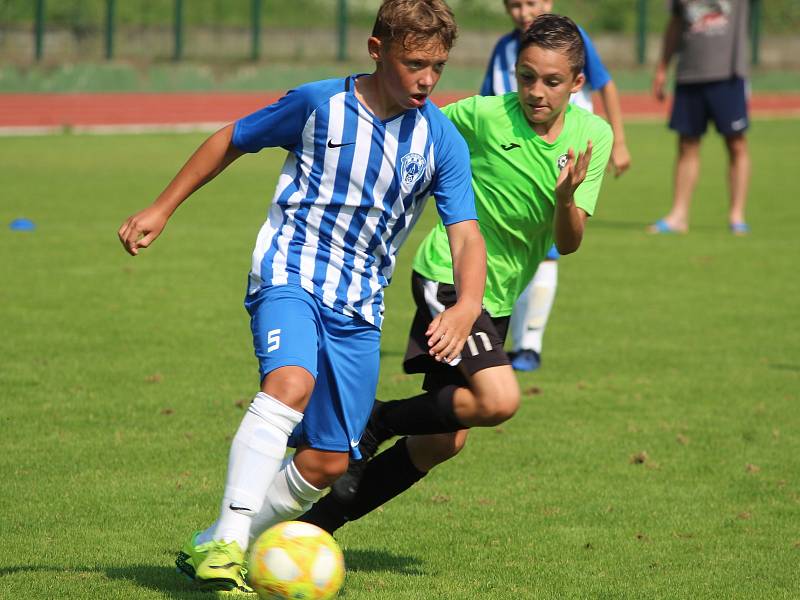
(48,113)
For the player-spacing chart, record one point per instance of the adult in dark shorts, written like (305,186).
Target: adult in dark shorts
(537,167)
(710,37)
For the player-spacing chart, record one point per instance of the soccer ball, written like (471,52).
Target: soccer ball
(296,561)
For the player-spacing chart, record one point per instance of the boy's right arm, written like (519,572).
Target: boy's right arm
(448,331)
(670,44)
(208,161)
(455,202)
(279,124)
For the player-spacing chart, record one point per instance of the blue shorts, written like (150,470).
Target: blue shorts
(724,102)
(292,328)
(552,254)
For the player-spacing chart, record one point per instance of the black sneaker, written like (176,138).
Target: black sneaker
(346,487)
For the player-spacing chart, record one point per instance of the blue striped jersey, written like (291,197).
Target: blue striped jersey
(500,75)
(351,188)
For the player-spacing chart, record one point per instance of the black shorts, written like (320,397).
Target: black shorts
(484,347)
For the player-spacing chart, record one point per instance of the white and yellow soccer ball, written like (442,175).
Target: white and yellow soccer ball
(295,561)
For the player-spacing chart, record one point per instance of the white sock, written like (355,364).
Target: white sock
(289,496)
(533,307)
(255,458)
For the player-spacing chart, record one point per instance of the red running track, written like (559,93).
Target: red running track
(19,112)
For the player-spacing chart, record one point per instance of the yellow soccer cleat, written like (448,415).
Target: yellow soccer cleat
(214,565)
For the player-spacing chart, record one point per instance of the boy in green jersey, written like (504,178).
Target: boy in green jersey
(537,166)
(532,309)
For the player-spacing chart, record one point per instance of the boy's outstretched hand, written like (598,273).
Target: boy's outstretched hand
(139,230)
(573,173)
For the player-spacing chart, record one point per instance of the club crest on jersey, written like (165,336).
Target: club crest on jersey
(562,161)
(412,166)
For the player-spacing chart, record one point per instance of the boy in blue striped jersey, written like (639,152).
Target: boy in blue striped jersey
(364,152)
(531,190)
(534,305)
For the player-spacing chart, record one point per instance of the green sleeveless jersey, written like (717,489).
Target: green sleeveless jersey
(514,174)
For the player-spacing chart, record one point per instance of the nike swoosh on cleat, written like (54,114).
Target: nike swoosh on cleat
(228,566)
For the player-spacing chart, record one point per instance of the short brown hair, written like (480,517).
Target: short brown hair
(416,23)
(557,33)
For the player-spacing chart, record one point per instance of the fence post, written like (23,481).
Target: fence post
(755,31)
(109,29)
(178,54)
(38,30)
(641,28)
(255,51)
(342,20)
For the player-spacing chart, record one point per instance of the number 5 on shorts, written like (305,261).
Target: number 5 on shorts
(273,340)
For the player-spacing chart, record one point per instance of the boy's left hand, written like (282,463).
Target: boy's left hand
(620,160)
(573,173)
(448,332)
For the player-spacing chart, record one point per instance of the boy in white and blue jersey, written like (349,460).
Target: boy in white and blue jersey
(531,190)
(364,152)
(349,192)
(533,307)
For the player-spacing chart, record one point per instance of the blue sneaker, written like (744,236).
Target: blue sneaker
(661,226)
(739,228)
(526,360)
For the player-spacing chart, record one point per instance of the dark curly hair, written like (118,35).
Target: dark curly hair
(557,33)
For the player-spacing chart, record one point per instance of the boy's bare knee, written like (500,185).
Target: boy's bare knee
(321,468)
(509,404)
(497,407)
(332,470)
(494,397)
(291,385)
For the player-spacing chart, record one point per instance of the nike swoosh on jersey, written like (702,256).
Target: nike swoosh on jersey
(331,144)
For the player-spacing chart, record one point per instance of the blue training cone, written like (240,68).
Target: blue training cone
(22,225)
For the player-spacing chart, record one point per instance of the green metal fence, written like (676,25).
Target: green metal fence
(637,17)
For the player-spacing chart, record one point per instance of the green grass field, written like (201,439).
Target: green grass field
(224,77)
(122,381)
